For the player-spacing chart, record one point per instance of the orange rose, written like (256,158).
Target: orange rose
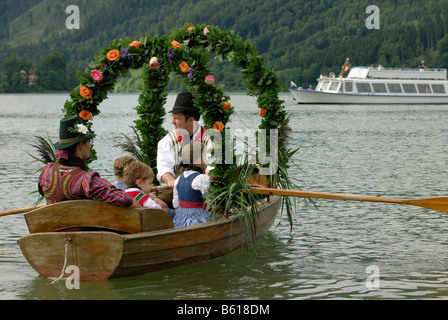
(85,115)
(190,28)
(135,44)
(113,55)
(175,44)
(218,125)
(226,106)
(85,92)
(184,67)
(263,112)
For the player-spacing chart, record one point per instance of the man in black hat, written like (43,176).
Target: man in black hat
(186,130)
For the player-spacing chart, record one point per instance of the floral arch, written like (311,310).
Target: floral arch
(184,52)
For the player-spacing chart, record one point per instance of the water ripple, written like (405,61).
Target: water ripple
(386,151)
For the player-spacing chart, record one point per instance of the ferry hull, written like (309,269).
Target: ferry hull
(318,97)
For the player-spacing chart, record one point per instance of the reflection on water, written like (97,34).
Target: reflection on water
(390,151)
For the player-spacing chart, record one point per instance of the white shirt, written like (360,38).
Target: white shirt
(200,183)
(166,157)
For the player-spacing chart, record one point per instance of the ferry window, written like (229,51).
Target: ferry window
(394,87)
(363,87)
(325,85)
(379,87)
(409,88)
(349,86)
(438,88)
(424,88)
(334,86)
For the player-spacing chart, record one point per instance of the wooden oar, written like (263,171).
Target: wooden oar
(26,209)
(159,188)
(19,210)
(437,204)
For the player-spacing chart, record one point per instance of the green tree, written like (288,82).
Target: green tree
(288,34)
(52,70)
(442,58)
(14,72)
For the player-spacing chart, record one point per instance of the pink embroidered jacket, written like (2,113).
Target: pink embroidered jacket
(58,183)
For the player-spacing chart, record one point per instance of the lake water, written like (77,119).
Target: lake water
(389,151)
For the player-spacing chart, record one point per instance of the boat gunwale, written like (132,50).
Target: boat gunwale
(205,225)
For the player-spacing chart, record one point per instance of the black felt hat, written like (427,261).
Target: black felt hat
(71,131)
(184,103)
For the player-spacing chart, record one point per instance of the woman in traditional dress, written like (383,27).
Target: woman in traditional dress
(67,178)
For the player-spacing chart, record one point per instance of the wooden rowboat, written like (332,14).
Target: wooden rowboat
(105,241)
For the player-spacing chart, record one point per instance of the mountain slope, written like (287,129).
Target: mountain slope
(298,38)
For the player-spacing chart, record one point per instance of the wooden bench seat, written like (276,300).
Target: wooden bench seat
(95,214)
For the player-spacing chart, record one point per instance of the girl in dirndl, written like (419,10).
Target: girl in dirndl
(191,187)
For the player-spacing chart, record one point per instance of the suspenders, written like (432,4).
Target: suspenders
(140,196)
(178,148)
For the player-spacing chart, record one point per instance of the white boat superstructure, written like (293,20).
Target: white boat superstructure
(367,85)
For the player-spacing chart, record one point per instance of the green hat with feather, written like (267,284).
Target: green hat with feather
(72,130)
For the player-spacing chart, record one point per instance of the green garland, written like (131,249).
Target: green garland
(185,52)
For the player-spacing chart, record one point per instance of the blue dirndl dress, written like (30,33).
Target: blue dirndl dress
(191,203)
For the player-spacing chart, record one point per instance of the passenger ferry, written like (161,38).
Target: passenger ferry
(368,85)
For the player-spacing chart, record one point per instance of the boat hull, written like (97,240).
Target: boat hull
(96,254)
(101,255)
(318,97)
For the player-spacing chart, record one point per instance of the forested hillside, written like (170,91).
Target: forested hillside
(299,39)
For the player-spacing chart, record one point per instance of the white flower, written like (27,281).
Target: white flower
(82,128)
(154,63)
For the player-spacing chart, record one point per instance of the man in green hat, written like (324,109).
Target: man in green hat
(185,117)
(67,178)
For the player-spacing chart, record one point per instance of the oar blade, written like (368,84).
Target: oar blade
(437,204)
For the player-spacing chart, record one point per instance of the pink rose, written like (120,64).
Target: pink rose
(210,79)
(61,154)
(206,31)
(154,63)
(96,75)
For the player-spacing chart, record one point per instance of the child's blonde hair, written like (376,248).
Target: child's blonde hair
(192,156)
(137,170)
(121,163)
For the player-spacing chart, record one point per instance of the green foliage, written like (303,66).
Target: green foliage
(53,73)
(299,39)
(152,99)
(186,53)
(13,69)
(50,73)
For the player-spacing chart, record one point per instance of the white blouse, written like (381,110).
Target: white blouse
(200,183)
